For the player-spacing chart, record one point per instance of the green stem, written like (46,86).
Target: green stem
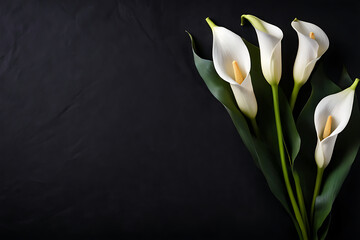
(255,127)
(275,92)
(294,95)
(301,200)
(319,175)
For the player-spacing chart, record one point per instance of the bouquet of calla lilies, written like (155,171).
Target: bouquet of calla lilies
(305,159)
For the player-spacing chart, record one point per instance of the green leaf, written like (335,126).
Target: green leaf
(322,232)
(265,150)
(346,147)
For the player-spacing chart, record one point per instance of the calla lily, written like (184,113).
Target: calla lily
(313,43)
(232,63)
(269,37)
(332,114)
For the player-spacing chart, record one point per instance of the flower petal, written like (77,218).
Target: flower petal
(269,37)
(309,51)
(324,150)
(245,97)
(339,106)
(229,47)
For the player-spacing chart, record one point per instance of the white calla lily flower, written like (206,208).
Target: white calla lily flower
(331,116)
(232,63)
(313,43)
(269,37)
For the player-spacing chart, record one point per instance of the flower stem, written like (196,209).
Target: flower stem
(275,92)
(319,175)
(301,200)
(294,95)
(255,127)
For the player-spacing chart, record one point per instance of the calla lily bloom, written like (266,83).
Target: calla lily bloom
(332,114)
(269,37)
(232,63)
(313,43)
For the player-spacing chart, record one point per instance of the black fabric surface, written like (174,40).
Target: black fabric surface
(108,132)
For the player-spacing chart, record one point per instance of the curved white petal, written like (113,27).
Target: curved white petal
(309,51)
(245,97)
(229,47)
(269,37)
(339,106)
(324,150)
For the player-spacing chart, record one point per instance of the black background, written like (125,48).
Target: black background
(107,130)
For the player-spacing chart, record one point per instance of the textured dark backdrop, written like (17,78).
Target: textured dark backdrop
(107,130)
